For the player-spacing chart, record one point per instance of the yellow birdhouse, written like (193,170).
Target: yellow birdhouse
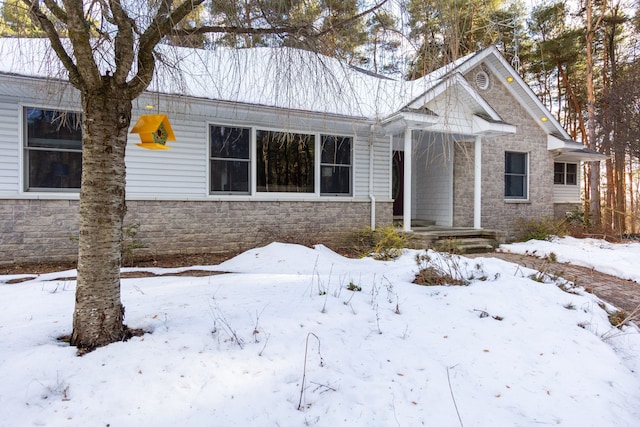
(154,130)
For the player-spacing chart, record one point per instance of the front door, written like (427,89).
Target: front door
(397,182)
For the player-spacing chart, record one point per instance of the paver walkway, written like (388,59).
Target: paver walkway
(623,294)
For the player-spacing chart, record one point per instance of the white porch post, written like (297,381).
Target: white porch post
(406,202)
(477,183)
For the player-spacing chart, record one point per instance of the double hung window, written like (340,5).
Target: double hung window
(53,149)
(230,159)
(515,175)
(335,165)
(565,173)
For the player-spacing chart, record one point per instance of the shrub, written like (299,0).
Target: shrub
(540,228)
(446,269)
(384,243)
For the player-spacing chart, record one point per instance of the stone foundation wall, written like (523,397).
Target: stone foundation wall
(44,230)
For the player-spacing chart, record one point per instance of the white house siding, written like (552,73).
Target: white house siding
(451,111)
(180,172)
(432,177)
(566,193)
(9,147)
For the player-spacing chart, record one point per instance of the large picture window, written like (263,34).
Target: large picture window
(230,159)
(335,165)
(53,149)
(515,175)
(285,162)
(565,173)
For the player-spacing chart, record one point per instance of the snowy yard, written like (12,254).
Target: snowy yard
(233,349)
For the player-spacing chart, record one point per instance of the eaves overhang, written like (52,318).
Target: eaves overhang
(408,119)
(487,127)
(567,150)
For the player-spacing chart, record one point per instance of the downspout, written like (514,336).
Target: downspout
(371,195)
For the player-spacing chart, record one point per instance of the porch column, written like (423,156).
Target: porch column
(406,202)
(477,183)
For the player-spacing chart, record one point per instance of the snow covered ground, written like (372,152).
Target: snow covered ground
(282,341)
(616,259)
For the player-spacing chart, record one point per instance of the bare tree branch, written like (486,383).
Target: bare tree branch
(161,26)
(58,12)
(124,42)
(39,17)
(80,38)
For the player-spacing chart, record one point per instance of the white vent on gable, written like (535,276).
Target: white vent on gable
(482,80)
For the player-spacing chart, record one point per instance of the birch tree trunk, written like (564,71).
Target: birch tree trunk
(99,313)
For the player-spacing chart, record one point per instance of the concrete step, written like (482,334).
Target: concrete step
(466,245)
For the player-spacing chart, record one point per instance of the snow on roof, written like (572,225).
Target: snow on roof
(275,77)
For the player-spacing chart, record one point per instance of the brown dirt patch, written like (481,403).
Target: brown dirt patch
(172,261)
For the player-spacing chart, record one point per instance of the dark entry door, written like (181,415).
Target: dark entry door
(397,182)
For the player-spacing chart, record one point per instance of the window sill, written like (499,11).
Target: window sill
(517,201)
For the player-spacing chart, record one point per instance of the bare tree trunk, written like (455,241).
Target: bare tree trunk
(620,210)
(610,191)
(632,204)
(594,170)
(574,100)
(99,313)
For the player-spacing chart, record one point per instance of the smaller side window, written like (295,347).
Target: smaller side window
(565,173)
(53,149)
(335,165)
(229,159)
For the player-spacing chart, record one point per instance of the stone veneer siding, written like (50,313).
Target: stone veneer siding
(43,230)
(463,177)
(498,213)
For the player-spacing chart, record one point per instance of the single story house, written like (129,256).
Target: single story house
(276,144)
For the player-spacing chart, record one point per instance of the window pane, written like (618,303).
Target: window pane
(285,162)
(53,129)
(572,173)
(54,169)
(230,142)
(514,186)
(230,176)
(558,173)
(336,150)
(335,180)
(516,163)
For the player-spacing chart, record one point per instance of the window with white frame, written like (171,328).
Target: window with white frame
(230,160)
(335,165)
(53,149)
(285,162)
(515,175)
(565,173)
